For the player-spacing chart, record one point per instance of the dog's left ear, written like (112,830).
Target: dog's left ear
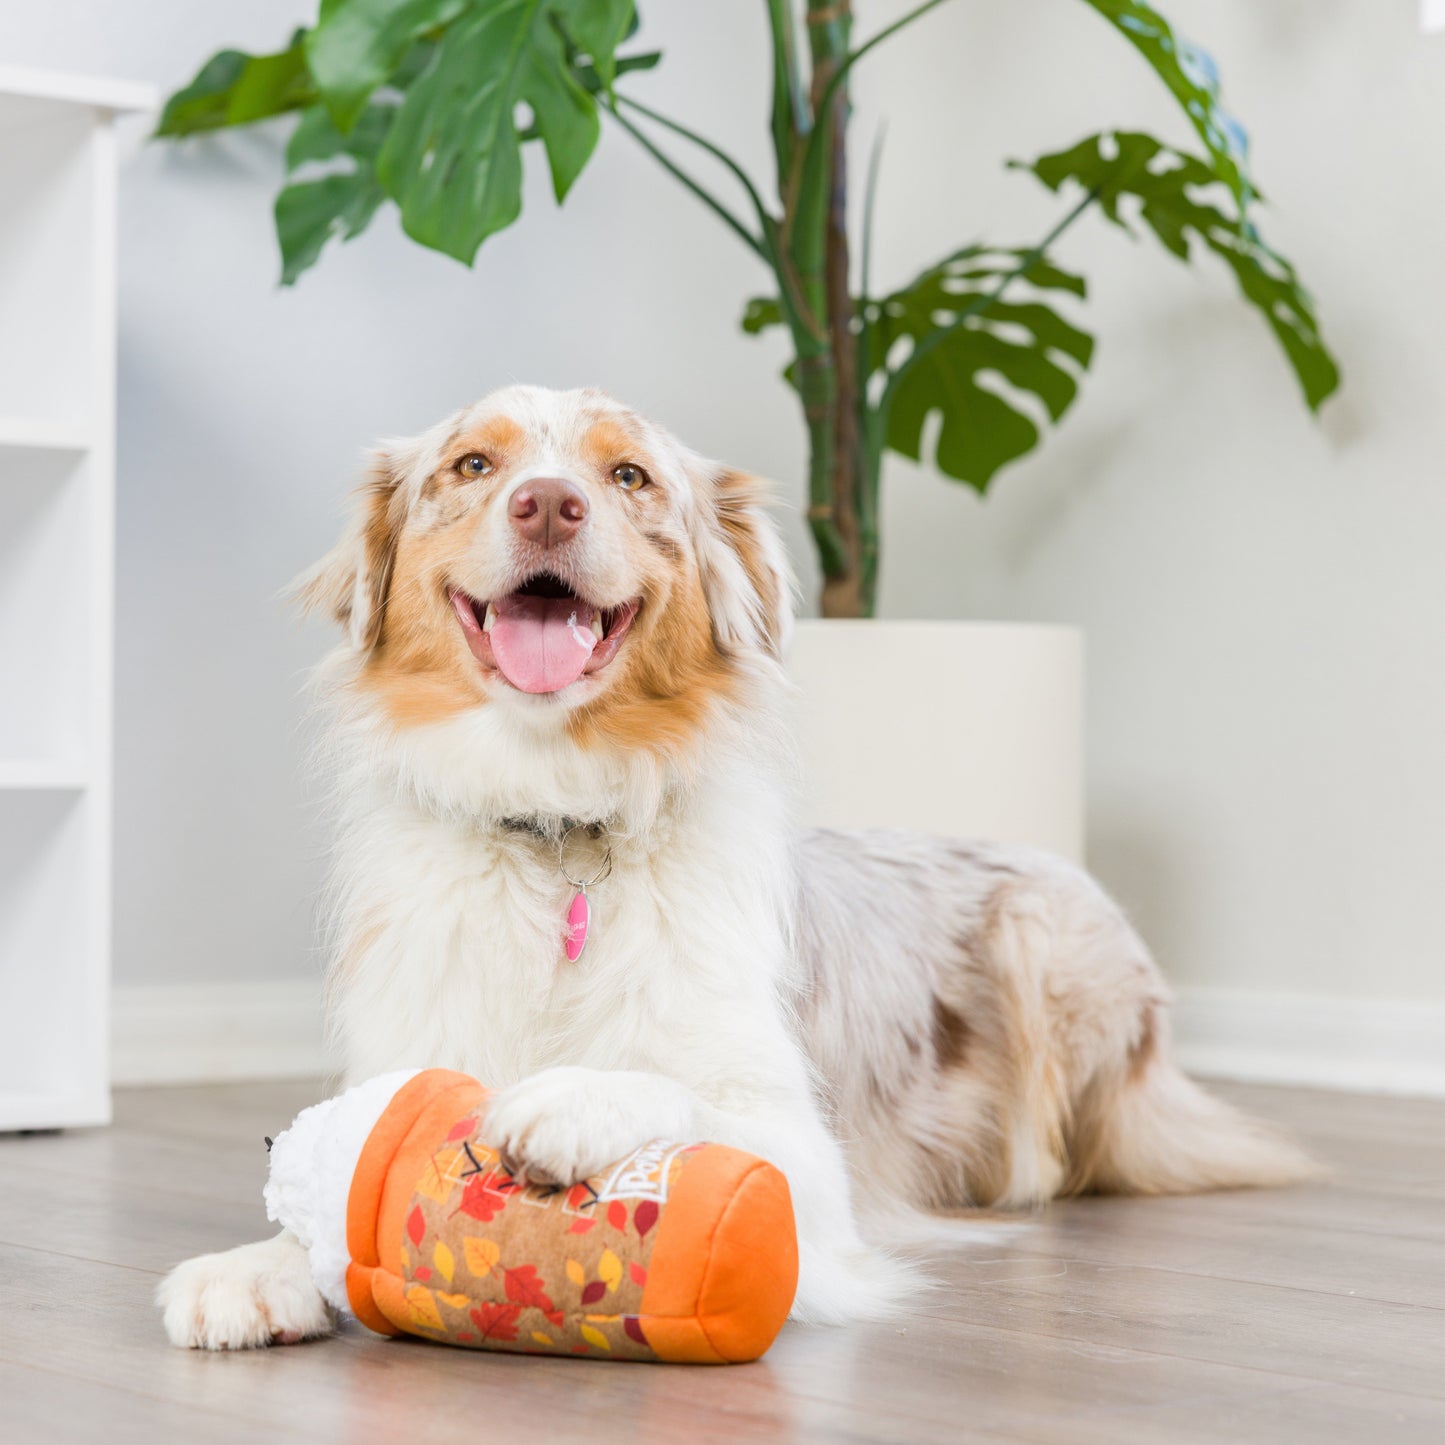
(745,572)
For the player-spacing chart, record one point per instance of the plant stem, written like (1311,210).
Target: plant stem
(811,176)
(843,464)
(870,201)
(806,320)
(753,243)
(790,117)
(870,464)
(821,246)
(917,13)
(701,141)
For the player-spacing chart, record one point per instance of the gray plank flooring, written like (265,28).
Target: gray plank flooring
(1309,1315)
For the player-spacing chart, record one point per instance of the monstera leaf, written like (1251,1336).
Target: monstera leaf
(1169,191)
(340,203)
(423,102)
(358,46)
(1193,79)
(452,156)
(233,88)
(949,342)
(973,357)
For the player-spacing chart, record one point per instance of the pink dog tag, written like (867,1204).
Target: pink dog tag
(579,915)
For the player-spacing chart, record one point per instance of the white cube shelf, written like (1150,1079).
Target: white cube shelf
(57,530)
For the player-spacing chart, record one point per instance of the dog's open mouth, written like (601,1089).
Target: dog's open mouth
(543,636)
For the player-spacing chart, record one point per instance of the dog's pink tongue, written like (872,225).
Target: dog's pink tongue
(541,643)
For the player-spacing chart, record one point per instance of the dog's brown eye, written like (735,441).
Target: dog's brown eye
(474,464)
(629,477)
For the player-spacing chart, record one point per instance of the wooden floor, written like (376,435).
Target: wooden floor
(1313,1315)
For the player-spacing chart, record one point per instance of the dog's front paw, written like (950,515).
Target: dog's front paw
(259,1294)
(567,1124)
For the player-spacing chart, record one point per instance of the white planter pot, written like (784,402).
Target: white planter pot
(972,729)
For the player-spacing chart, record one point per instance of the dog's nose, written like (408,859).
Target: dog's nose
(547,511)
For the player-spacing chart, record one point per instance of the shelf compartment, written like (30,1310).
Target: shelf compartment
(48,330)
(48,580)
(21,86)
(41,775)
(26,434)
(51,951)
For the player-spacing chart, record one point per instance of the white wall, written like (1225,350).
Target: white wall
(1264,596)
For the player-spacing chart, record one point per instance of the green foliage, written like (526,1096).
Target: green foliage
(761,312)
(949,343)
(453,161)
(452,157)
(358,45)
(428,104)
(1165,186)
(597,28)
(1193,79)
(418,101)
(990,368)
(339,203)
(981,362)
(233,88)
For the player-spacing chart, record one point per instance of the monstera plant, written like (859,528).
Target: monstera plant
(428,104)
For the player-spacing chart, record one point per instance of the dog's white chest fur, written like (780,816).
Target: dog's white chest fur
(455,937)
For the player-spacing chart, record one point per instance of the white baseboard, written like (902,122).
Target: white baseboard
(212,1032)
(1385,1046)
(195,1033)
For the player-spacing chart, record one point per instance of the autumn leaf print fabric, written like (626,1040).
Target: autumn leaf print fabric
(492,1265)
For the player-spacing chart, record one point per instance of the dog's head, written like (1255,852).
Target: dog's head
(555,555)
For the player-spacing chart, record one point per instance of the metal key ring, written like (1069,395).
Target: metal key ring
(583,883)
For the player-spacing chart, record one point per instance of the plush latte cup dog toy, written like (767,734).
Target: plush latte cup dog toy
(682,1252)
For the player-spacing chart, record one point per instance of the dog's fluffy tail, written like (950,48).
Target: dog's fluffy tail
(1151,1130)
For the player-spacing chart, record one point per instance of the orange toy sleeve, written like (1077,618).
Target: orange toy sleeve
(677,1252)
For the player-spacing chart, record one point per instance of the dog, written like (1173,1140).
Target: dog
(562,665)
